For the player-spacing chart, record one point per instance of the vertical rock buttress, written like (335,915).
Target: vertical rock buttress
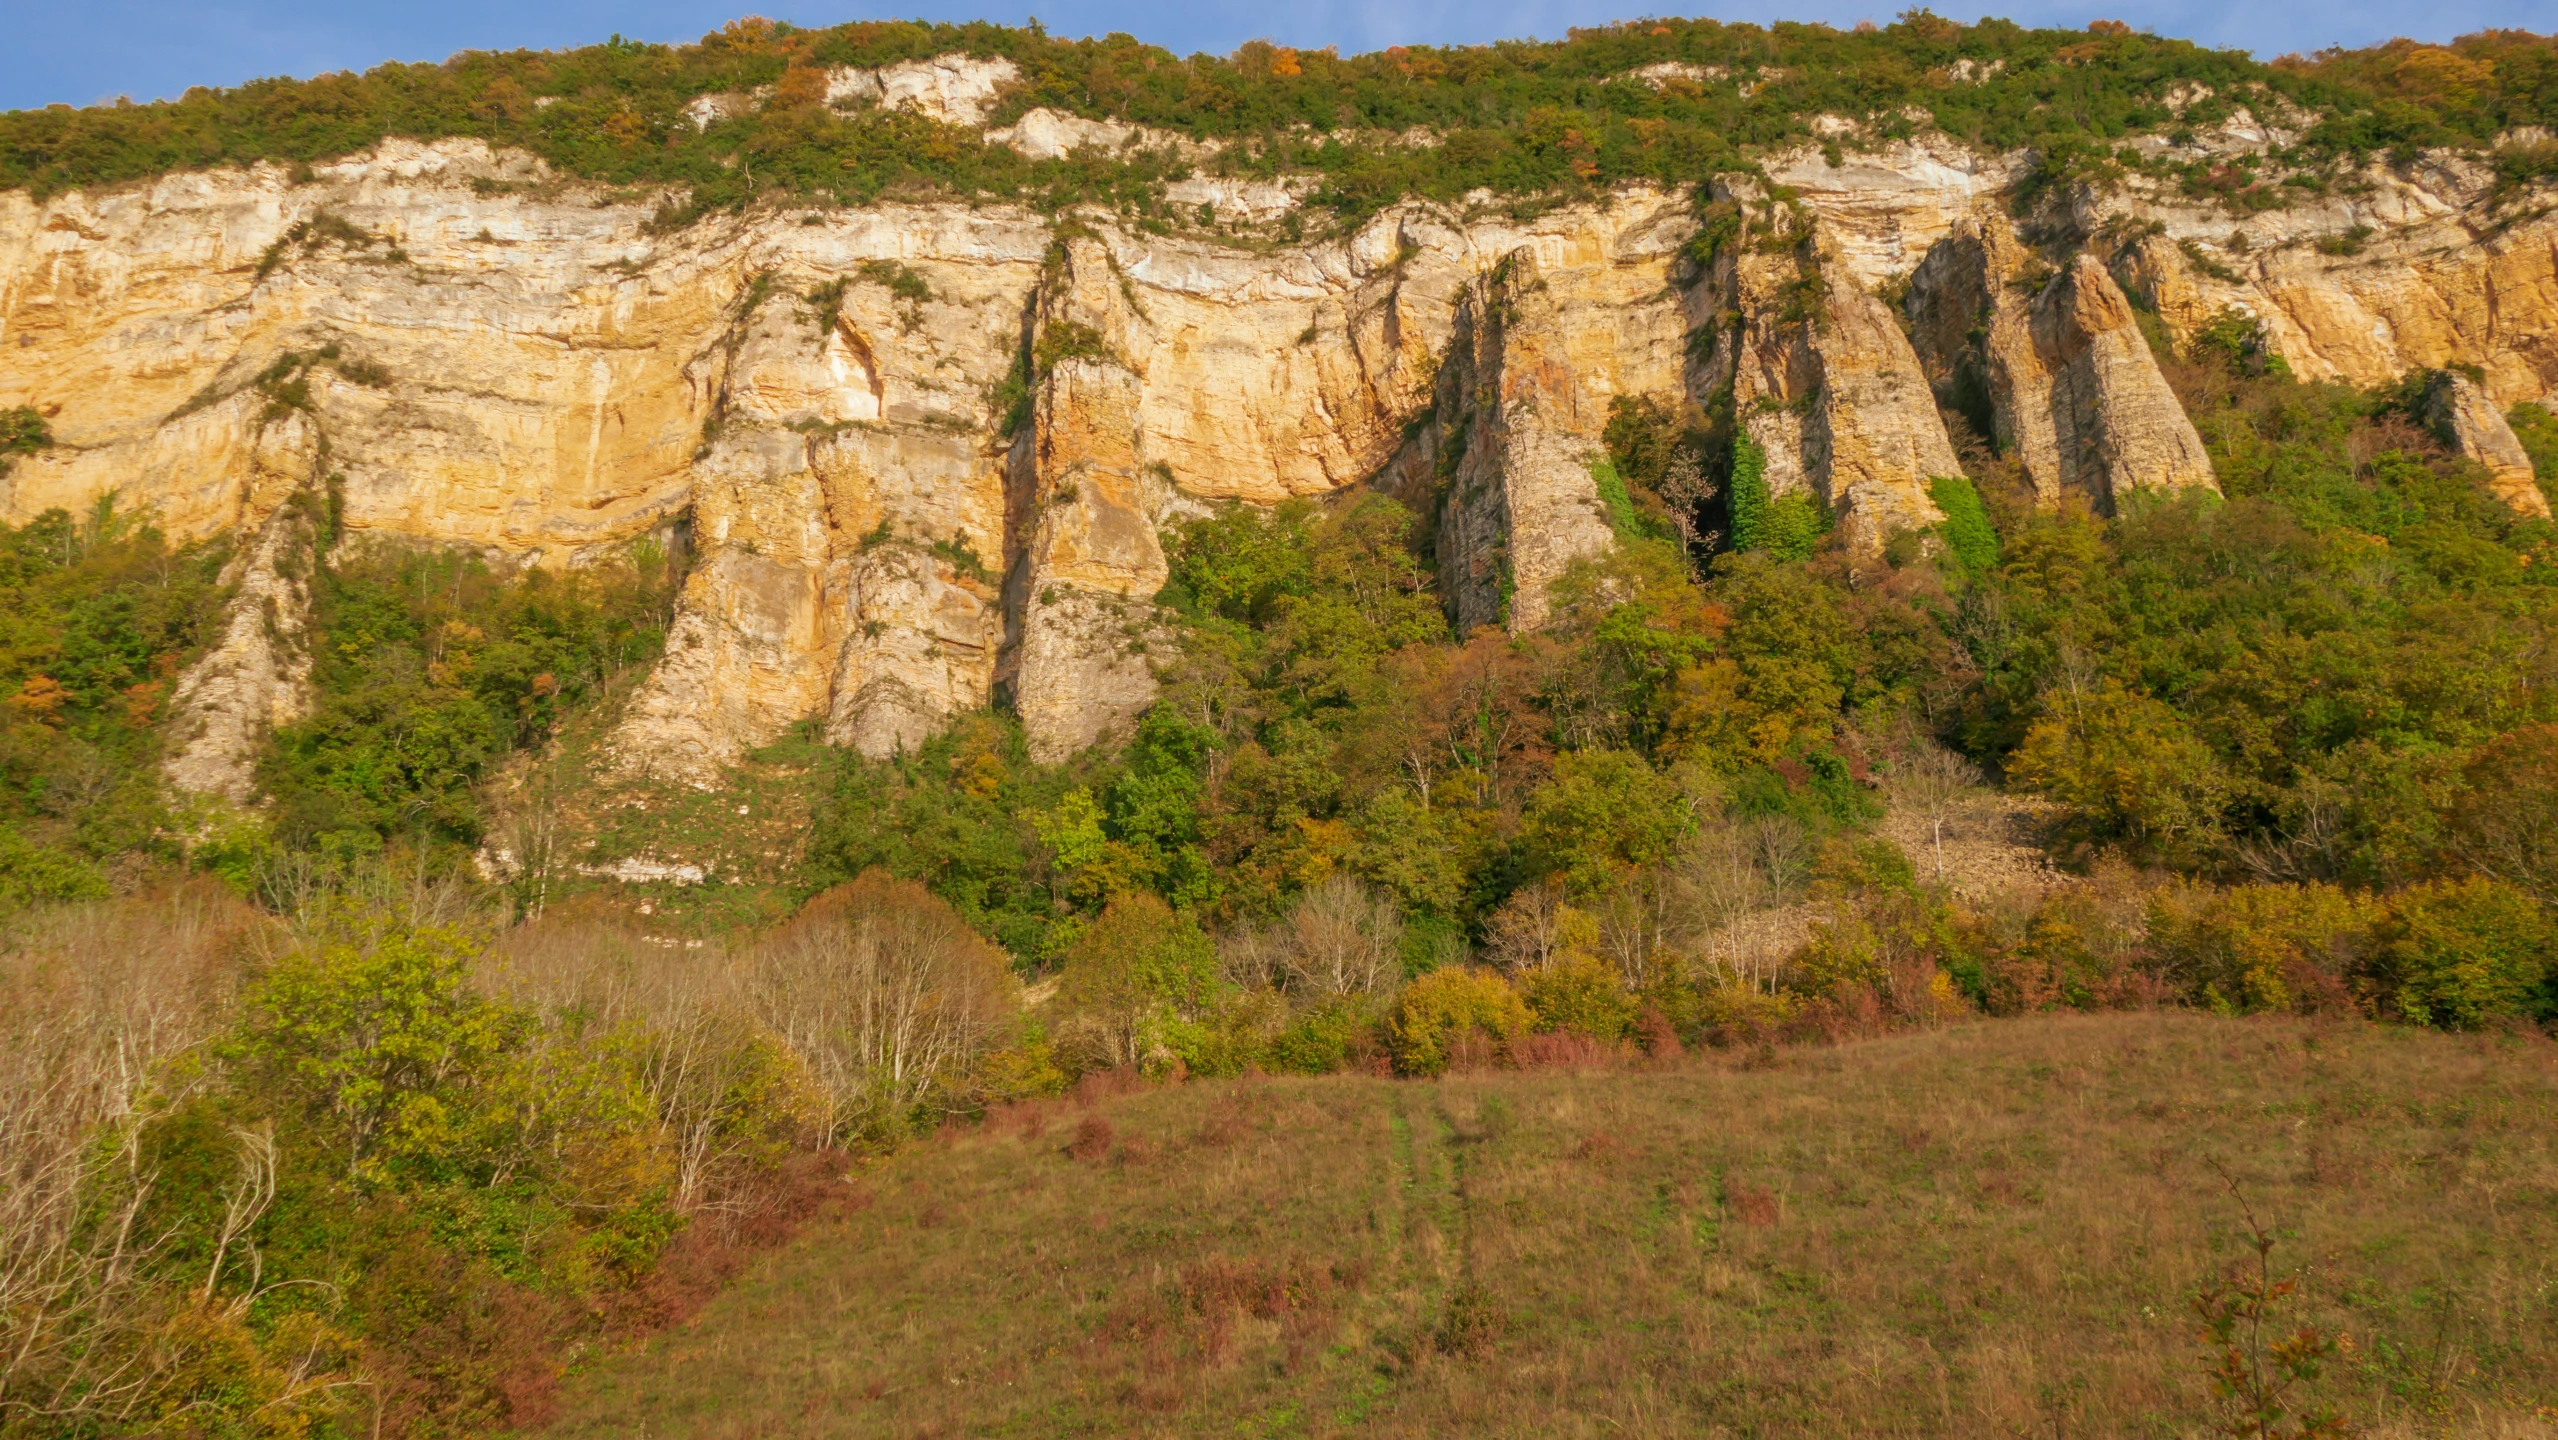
(1084,582)
(2459,410)
(2054,366)
(1823,381)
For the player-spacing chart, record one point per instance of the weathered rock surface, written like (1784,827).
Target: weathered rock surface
(924,454)
(2428,268)
(1823,381)
(257,676)
(1539,353)
(2469,422)
(2072,389)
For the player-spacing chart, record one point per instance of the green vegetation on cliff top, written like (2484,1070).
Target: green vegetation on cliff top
(1515,117)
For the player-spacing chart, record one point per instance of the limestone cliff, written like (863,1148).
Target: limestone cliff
(2470,423)
(2073,391)
(924,455)
(1823,381)
(1543,345)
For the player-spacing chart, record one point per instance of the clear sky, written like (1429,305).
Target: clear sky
(81,51)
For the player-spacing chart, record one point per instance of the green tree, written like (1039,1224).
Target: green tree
(2130,768)
(376,1031)
(1440,1009)
(1604,812)
(1137,966)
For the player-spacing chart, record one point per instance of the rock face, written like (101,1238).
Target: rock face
(2072,390)
(257,676)
(1540,352)
(1823,381)
(2469,422)
(925,456)
(2421,273)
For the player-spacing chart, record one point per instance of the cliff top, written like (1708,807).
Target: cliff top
(853,112)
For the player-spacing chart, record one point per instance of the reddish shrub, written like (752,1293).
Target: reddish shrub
(1099,1085)
(1566,1050)
(1094,1138)
(1658,1036)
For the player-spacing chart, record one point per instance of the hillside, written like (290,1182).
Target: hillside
(591,642)
(1980,1231)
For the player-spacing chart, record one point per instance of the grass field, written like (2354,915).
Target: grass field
(1996,1229)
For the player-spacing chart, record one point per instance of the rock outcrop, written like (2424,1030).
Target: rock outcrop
(1823,381)
(257,676)
(2071,389)
(2459,410)
(924,456)
(1539,355)
(2421,274)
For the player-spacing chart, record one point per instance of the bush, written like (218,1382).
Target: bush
(1326,1038)
(2464,954)
(35,873)
(1442,1008)
(1581,994)
(2264,947)
(1969,537)
(895,1003)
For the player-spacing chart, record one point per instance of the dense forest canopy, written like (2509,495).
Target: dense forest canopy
(1516,117)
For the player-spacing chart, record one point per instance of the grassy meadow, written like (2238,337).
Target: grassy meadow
(1990,1229)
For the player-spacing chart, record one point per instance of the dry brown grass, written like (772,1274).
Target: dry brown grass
(1992,1230)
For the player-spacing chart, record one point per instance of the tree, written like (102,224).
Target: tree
(1605,811)
(2506,824)
(2130,766)
(377,1029)
(2463,954)
(1441,1008)
(1137,965)
(1343,939)
(1937,785)
(890,997)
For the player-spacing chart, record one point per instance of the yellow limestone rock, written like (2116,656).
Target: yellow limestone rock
(1093,564)
(2448,282)
(1823,381)
(257,676)
(478,353)
(2470,423)
(2073,391)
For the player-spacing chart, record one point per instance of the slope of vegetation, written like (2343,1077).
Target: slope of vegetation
(1516,118)
(98,617)
(2007,1229)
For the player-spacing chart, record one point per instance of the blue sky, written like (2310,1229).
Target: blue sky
(80,51)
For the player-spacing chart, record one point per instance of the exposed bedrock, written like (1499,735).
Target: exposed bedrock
(2459,410)
(926,455)
(2053,360)
(1823,381)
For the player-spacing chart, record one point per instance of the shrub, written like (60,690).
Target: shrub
(1748,495)
(2263,947)
(33,873)
(1969,537)
(1443,1007)
(2130,767)
(1581,994)
(2463,954)
(1326,1038)
(892,999)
